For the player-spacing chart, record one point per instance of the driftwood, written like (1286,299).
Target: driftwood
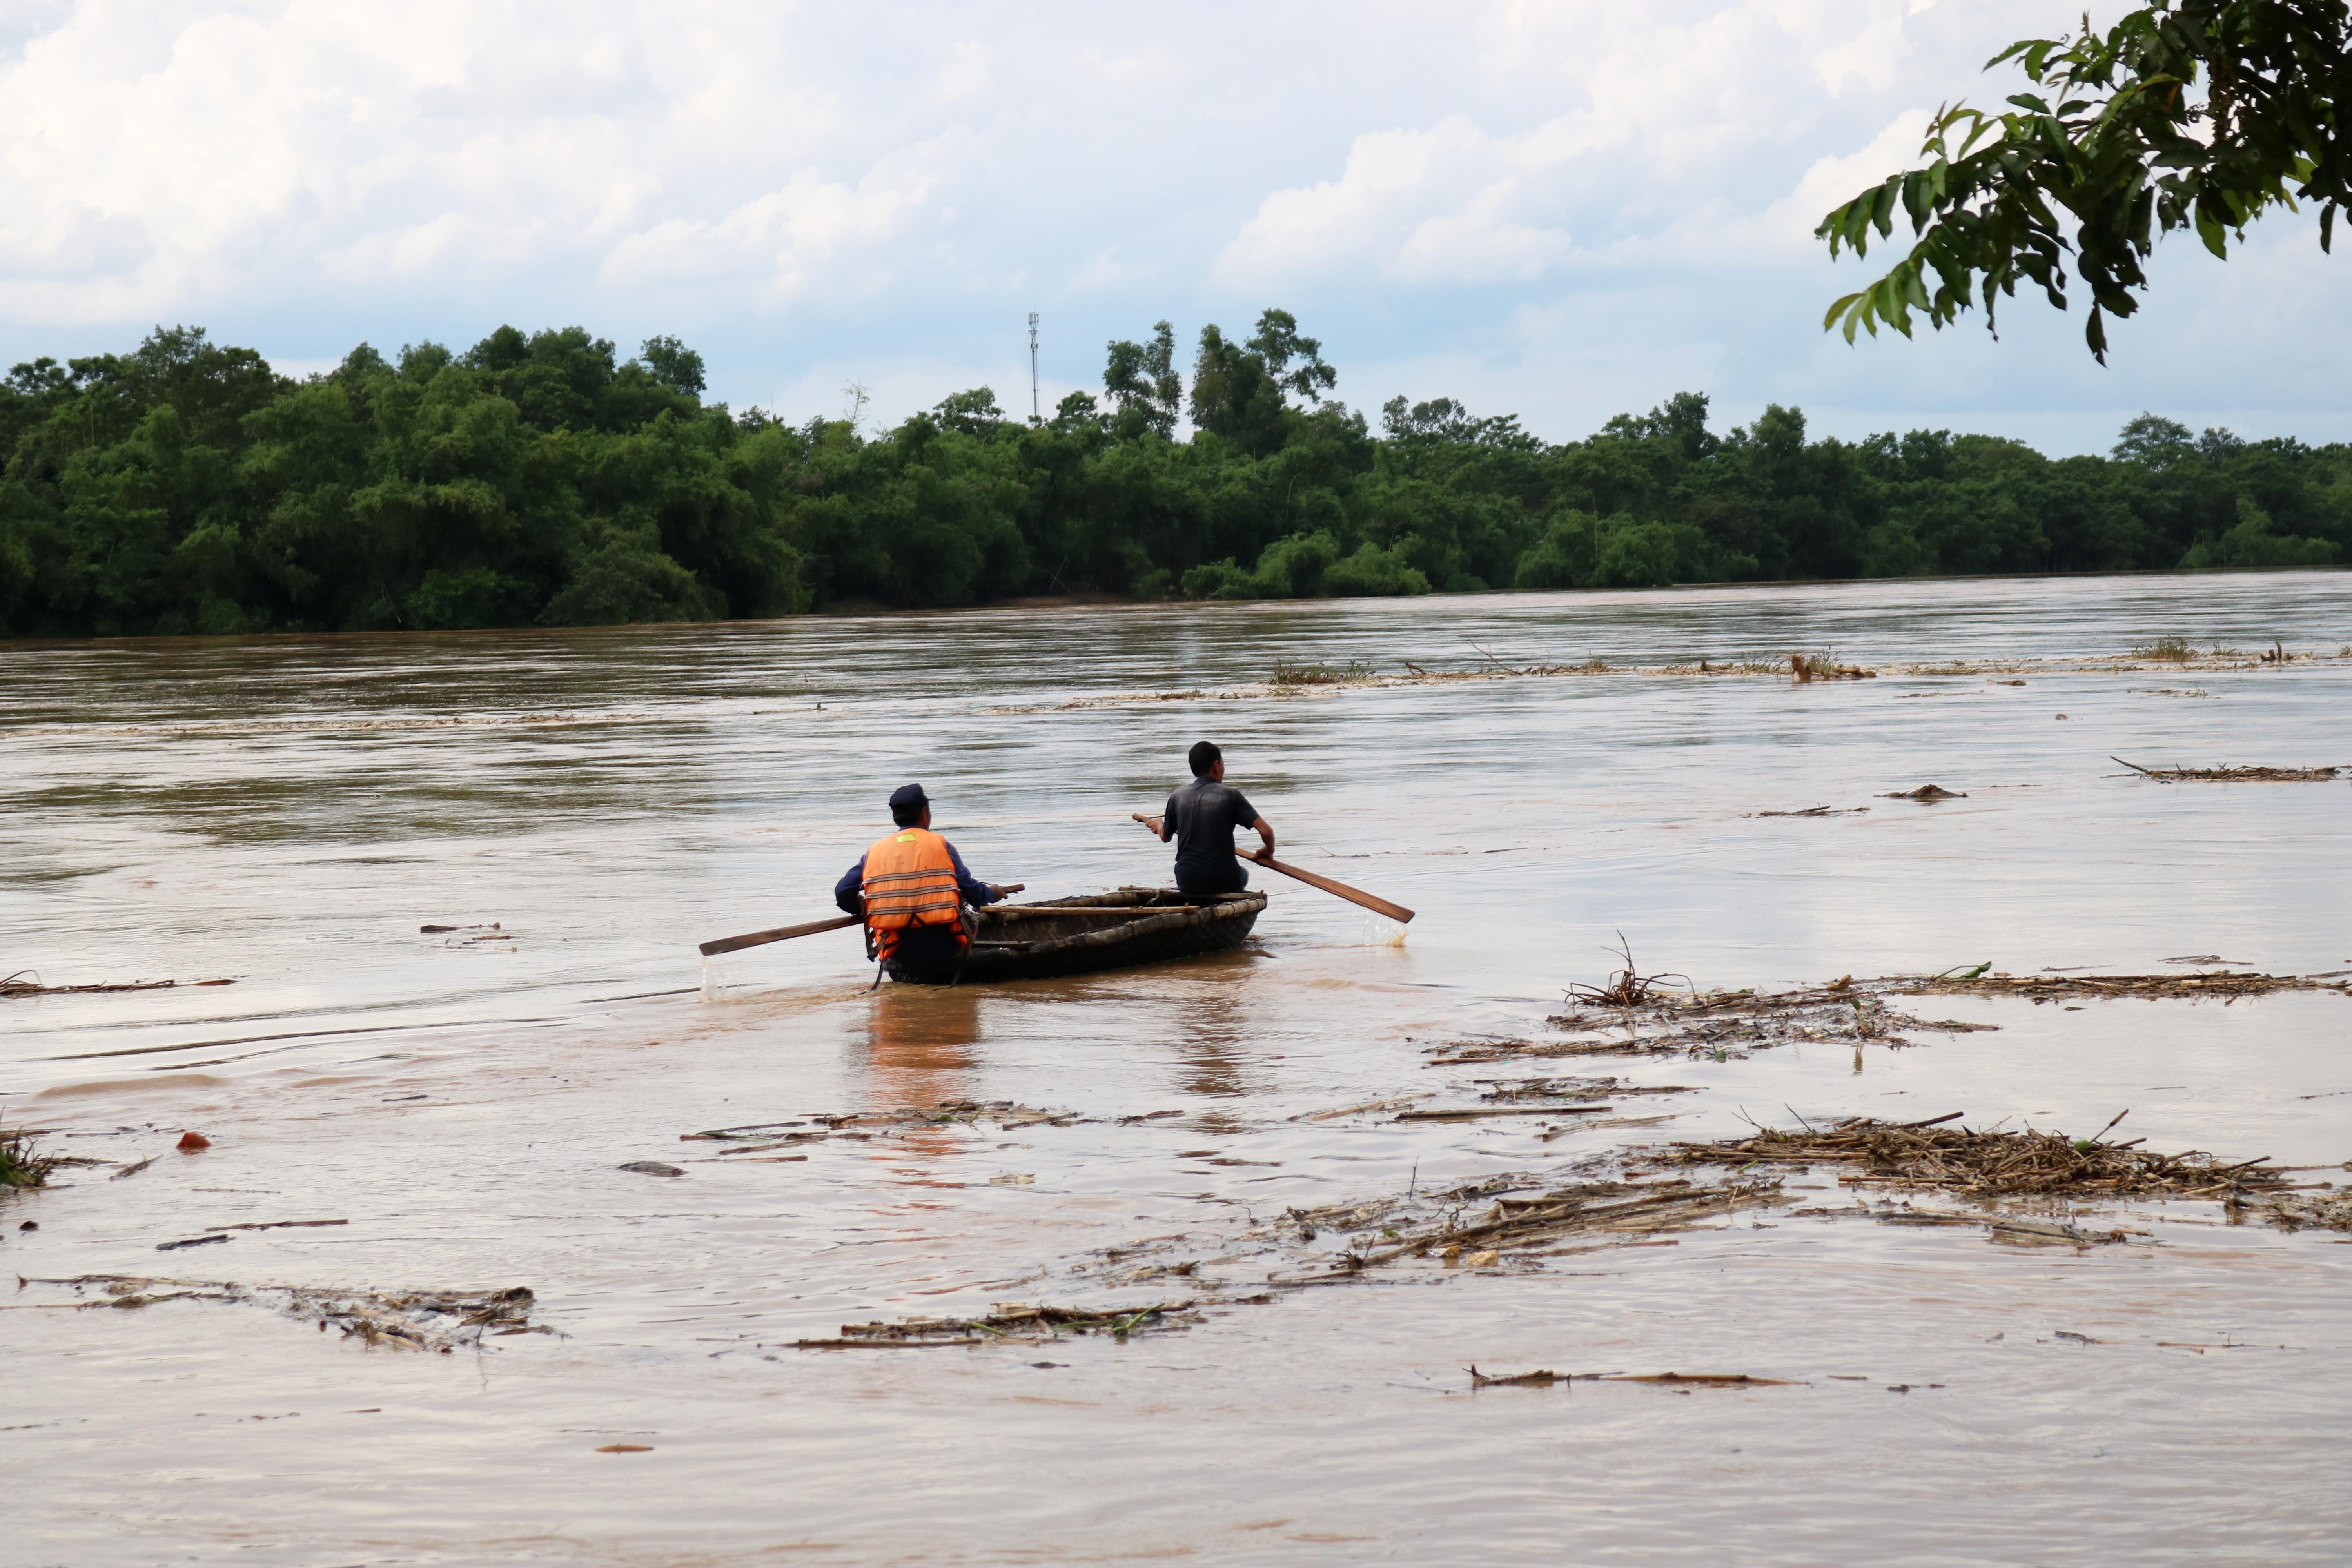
(2233,776)
(17,984)
(1990,1162)
(1022,1323)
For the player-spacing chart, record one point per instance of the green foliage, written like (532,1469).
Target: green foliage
(185,488)
(2251,543)
(2186,114)
(22,1164)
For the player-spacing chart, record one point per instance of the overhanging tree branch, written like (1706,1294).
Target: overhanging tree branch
(2187,114)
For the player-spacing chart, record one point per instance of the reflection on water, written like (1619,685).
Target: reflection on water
(290,813)
(920,1043)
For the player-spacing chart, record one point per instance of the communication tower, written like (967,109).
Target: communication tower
(1036,413)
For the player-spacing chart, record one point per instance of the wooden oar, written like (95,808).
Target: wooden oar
(1372,902)
(786,933)
(781,933)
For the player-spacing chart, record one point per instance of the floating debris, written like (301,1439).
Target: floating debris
(1473,1112)
(1008,1115)
(1010,1323)
(17,984)
(2233,775)
(1988,1163)
(652,1168)
(1817,811)
(1541,1378)
(1722,1025)
(22,1164)
(418,1319)
(2041,987)
(1356,672)
(1602,1208)
(1628,987)
(1825,667)
(2324,1210)
(1393,1103)
(1638,1014)
(1931,792)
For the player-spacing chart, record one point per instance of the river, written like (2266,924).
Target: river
(288,813)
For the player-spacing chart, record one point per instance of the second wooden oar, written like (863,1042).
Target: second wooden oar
(1372,902)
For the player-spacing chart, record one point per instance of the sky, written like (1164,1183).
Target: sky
(1556,208)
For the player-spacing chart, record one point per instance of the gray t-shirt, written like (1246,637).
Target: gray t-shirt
(1203,815)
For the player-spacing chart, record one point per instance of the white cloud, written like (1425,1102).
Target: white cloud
(964,73)
(782,242)
(1449,205)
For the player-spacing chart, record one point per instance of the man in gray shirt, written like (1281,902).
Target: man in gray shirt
(1201,817)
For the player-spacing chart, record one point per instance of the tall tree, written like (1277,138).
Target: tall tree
(1142,381)
(1277,343)
(2187,114)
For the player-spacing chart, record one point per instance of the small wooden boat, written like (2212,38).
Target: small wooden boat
(1101,931)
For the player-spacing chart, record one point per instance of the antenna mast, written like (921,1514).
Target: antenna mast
(1035,413)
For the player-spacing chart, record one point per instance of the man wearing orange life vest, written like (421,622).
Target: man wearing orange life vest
(911,886)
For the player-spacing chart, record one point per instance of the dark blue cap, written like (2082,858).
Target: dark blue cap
(908,794)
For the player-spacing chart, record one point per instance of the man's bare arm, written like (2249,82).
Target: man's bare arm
(1264,831)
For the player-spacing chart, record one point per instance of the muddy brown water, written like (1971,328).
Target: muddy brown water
(288,813)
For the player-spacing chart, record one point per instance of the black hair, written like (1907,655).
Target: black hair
(1203,756)
(908,815)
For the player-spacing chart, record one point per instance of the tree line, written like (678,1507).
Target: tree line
(186,487)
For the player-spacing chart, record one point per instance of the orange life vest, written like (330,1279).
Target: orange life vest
(910,880)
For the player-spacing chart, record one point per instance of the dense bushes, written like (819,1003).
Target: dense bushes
(186,487)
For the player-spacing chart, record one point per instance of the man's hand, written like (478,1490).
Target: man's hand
(1150,822)
(1004,890)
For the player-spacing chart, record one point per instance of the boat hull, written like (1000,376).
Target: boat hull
(1082,935)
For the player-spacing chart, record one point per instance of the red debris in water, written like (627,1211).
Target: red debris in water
(192,1142)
